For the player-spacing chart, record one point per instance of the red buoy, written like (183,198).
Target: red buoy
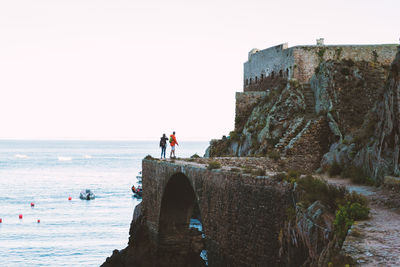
(38,221)
(69,198)
(32,204)
(1,220)
(20,216)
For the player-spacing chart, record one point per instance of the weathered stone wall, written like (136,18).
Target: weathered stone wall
(300,62)
(245,102)
(241,215)
(307,58)
(275,61)
(306,152)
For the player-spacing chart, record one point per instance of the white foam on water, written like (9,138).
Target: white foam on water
(64,158)
(21,156)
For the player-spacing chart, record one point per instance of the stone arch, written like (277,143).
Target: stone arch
(256,79)
(176,241)
(280,73)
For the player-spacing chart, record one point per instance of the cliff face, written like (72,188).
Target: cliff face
(282,120)
(382,157)
(348,114)
(369,126)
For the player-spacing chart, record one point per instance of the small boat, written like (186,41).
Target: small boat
(86,194)
(137,191)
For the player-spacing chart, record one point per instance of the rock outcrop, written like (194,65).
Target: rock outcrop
(347,114)
(374,145)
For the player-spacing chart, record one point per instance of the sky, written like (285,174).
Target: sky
(132,70)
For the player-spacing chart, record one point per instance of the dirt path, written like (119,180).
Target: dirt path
(374,242)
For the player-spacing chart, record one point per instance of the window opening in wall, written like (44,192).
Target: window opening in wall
(251,81)
(280,73)
(256,80)
(247,81)
(287,72)
(272,74)
(262,76)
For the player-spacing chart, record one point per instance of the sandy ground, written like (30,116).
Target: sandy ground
(374,242)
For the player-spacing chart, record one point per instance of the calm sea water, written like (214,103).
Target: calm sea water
(76,232)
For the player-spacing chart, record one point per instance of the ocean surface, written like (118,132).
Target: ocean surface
(71,232)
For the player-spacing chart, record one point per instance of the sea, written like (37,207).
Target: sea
(57,231)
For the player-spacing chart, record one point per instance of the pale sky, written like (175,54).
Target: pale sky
(119,69)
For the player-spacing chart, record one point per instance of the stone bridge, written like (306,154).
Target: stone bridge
(242,215)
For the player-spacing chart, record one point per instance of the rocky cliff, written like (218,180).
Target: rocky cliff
(347,115)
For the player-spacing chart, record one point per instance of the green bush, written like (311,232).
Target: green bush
(342,224)
(317,189)
(274,155)
(195,156)
(347,206)
(214,165)
(345,217)
(335,169)
(235,170)
(359,212)
(293,174)
(354,197)
(357,175)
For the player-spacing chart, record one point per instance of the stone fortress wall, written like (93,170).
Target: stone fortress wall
(273,62)
(275,66)
(299,62)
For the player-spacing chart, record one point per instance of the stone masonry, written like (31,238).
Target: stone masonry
(241,215)
(299,62)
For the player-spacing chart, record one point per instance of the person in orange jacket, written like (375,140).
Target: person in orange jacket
(172,142)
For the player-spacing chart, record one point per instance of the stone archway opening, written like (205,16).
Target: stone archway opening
(180,234)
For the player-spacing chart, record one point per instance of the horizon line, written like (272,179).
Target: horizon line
(96,139)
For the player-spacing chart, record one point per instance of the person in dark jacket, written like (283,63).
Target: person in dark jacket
(163,145)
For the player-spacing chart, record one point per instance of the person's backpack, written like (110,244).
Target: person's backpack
(163,141)
(171,139)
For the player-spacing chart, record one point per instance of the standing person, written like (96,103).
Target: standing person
(163,145)
(172,142)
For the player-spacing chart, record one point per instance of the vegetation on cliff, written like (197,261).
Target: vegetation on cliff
(345,118)
(318,223)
